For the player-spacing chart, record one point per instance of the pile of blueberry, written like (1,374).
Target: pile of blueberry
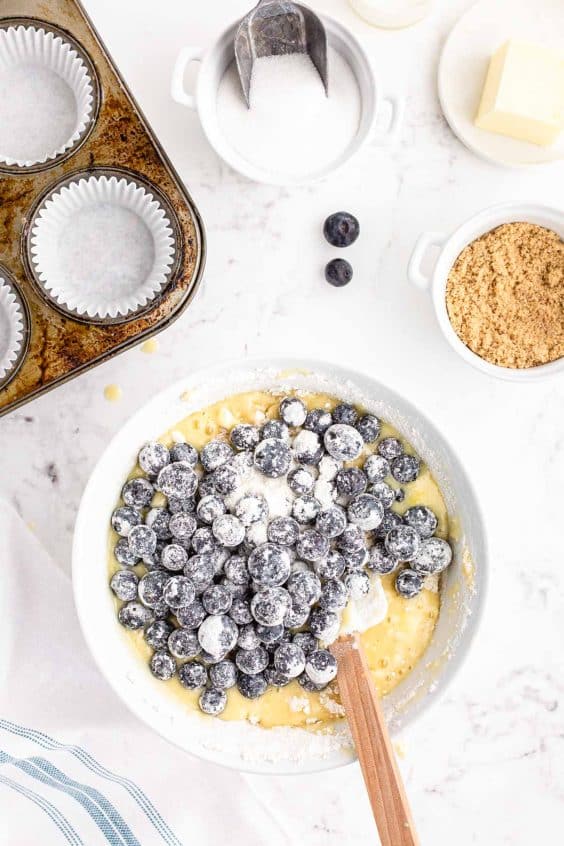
(222,604)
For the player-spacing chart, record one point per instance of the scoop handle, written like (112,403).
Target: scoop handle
(373,746)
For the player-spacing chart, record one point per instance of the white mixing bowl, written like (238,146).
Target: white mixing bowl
(237,744)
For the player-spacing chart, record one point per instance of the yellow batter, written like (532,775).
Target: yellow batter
(393,647)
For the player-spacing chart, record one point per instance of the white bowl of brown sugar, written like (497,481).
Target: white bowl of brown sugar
(498,289)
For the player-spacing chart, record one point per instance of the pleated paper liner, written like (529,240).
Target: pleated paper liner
(103,245)
(49,97)
(14,328)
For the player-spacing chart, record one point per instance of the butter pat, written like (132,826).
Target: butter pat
(523,96)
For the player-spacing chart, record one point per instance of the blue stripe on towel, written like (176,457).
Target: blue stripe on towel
(102,812)
(60,821)
(94,766)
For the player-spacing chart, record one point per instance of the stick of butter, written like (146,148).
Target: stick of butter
(523,95)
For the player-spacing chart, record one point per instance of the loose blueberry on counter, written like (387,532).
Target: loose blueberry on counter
(184,643)
(270,634)
(184,452)
(343,442)
(357,584)
(341,229)
(306,641)
(178,592)
(124,519)
(433,556)
(244,436)
(191,616)
(376,468)
(174,557)
(134,615)
(248,637)
(409,583)
(153,457)
(251,508)
(138,492)
(307,447)
(289,659)
(369,427)
(251,687)
(200,570)
(350,481)
(366,511)
(301,481)
(272,457)
(275,429)
(225,479)
(338,272)
(252,661)
(214,454)
(283,531)
(163,665)
(269,564)
(390,448)
(223,675)
(384,493)
(157,633)
(312,545)
(324,624)
(305,508)
(124,555)
(269,605)
(142,541)
(151,587)
(213,701)
(331,522)
(158,520)
(240,611)
(292,411)
(333,595)
(321,667)
(402,543)
(380,561)
(422,519)
(331,567)
(192,675)
(124,584)
(178,480)
(218,634)
(182,526)
(405,468)
(296,615)
(216,599)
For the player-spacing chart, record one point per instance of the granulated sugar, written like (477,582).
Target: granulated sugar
(292,128)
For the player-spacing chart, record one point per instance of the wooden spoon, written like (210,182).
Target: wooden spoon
(373,746)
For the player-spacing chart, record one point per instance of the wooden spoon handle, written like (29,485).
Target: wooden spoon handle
(374,749)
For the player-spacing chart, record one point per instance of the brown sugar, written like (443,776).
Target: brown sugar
(505,295)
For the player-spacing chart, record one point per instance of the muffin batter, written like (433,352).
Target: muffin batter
(393,647)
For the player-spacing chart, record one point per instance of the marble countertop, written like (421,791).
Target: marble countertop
(486,764)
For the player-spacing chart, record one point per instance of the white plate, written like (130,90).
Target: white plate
(464,63)
(239,744)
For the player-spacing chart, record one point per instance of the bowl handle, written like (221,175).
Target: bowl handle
(394,107)
(177,90)
(414,272)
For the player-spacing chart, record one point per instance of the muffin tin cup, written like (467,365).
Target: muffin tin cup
(14,323)
(46,49)
(102,245)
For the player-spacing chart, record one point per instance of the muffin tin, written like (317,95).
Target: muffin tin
(102,246)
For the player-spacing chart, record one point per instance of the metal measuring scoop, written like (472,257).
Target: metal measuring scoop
(278,28)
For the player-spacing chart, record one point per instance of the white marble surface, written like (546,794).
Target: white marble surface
(486,765)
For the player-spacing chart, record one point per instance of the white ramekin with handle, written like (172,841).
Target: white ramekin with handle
(380,121)
(450,247)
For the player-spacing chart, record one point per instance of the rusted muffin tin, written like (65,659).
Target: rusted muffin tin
(60,342)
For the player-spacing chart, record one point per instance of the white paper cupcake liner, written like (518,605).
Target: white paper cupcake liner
(12,325)
(26,52)
(102,247)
